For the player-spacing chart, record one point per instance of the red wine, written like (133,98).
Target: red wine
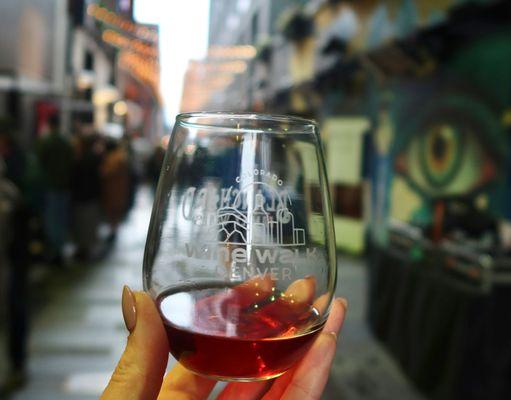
(246,332)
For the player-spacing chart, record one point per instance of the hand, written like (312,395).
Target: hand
(140,372)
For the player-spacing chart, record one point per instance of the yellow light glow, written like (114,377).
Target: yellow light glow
(84,80)
(121,41)
(120,108)
(240,52)
(105,95)
(109,17)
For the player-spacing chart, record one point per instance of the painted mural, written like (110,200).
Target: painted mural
(442,139)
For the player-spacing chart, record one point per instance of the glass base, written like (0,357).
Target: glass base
(236,379)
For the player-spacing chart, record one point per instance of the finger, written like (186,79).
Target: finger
(220,305)
(309,383)
(307,380)
(181,384)
(301,291)
(280,385)
(261,284)
(321,303)
(291,309)
(311,375)
(244,294)
(254,290)
(245,390)
(337,314)
(140,371)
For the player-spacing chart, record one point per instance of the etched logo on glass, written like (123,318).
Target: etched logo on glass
(257,214)
(260,227)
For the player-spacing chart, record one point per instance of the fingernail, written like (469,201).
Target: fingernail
(334,335)
(343,302)
(129,310)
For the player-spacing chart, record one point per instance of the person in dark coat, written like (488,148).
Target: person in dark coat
(86,194)
(55,156)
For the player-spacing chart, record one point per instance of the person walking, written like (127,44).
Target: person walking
(115,181)
(55,156)
(86,193)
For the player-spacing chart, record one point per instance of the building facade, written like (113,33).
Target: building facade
(33,41)
(78,59)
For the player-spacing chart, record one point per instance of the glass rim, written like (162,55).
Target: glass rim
(218,120)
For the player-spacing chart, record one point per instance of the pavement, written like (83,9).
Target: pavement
(77,331)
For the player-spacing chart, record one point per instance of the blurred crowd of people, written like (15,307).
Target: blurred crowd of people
(61,204)
(68,186)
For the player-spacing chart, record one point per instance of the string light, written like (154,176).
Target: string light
(146,70)
(204,78)
(102,14)
(237,52)
(123,42)
(137,56)
(232,67)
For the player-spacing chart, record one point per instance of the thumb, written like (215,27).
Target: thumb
(139,374)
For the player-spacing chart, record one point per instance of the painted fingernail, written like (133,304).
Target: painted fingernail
(129,310)
(343,301)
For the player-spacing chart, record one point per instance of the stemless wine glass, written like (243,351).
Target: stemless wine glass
(240,255)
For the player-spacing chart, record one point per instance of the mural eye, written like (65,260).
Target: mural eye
(446,159)
(443,147)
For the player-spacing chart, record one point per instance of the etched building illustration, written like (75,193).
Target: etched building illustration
(232,226)
(259,227)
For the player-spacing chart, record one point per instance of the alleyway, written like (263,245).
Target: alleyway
(78,333)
